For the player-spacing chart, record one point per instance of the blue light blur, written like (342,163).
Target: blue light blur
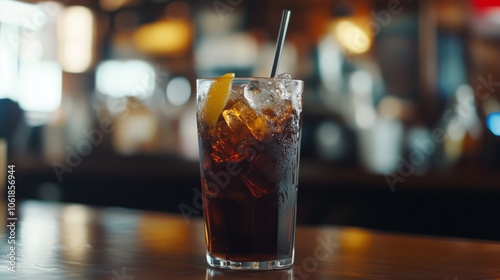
(493,123)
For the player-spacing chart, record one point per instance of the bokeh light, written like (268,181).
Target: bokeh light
(125,78)
(493,123)
(178,91)
(76,47)
(352,37)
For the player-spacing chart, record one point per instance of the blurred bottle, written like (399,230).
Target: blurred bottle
(380,145)
(462,129)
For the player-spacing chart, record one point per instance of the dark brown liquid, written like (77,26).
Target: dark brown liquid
(250,192)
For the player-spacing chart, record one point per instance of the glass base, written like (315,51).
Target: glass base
(249,265)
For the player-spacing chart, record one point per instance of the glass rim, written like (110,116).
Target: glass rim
(241,79)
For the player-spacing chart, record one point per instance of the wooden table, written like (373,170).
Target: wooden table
(69,241)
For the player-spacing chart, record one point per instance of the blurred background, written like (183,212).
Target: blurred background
(401,120)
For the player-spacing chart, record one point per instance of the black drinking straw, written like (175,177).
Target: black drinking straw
(285,18)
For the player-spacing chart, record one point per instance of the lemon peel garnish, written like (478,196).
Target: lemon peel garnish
(216,100)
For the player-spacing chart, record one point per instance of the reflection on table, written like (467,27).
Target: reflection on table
(69,241)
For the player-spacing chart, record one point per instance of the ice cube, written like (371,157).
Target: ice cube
(259,94)
(225,145)
(292,91)
(283,78)
(262,93)
(279,117)
(236,94)
(278,100)
(282,82)
(246,123)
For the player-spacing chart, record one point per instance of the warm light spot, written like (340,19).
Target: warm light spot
(391,107)
(164,37)
(76,36)
(135,129)
(161,234)
(75,232)
(125,78)
(40,86)
(352,37)
(357,238)
(453,150)
(111,5)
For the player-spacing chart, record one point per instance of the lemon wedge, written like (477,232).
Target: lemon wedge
(217,96)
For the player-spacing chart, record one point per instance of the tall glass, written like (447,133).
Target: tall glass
(249,161)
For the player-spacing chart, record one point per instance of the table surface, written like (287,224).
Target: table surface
(70,241)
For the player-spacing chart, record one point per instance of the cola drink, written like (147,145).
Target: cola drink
(249,162)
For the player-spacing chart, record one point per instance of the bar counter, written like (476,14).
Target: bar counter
(72,241)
